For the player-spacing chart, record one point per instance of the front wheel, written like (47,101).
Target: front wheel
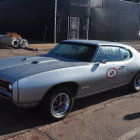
(58,103)
(136,83)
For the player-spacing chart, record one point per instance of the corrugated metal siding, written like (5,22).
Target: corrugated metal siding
(98,3)
(115,20)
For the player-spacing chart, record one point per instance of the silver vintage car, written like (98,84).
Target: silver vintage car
(73,69)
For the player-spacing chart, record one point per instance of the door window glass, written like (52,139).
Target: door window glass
(125,54)
(109,54)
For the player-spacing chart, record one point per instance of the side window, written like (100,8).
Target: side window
(109,54)
(125,54)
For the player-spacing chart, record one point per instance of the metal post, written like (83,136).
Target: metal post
(87,28)
(44,38)
(55,21)
(78,20)
(68,34)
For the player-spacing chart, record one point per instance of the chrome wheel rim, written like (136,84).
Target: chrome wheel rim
(60,105)
(137,82)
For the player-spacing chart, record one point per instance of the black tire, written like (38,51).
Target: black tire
(135,83)
(50,100)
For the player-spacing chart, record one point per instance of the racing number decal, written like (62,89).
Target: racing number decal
(111,73)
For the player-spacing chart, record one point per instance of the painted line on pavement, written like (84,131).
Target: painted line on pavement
(129,134)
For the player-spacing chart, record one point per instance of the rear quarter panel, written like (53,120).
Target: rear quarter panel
(133,66)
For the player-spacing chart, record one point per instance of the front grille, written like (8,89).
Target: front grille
(4,84)
(6,96)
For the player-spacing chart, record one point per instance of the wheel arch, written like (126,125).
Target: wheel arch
(72,86)
(138,72)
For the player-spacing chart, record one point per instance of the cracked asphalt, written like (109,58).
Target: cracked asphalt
(111,115)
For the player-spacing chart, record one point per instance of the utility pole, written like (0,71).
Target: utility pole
(55,21)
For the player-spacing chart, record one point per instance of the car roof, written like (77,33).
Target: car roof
(95,42)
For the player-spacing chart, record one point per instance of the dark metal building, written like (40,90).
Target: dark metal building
(55,20)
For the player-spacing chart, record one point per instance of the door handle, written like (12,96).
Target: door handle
(122,67)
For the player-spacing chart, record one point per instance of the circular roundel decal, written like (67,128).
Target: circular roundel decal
(111,73)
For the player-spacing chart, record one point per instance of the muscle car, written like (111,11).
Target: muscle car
(73,69)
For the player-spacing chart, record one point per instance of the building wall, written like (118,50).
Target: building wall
(108,19)
(76,19)
(29,18)
(115,20)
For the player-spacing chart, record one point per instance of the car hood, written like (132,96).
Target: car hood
(20,67)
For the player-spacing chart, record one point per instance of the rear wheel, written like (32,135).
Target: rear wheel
(58,103)
(136,83)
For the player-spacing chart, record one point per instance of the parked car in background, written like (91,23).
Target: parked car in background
(73,69)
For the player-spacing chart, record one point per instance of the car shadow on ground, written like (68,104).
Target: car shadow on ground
(101,97)
(14,119)
(133,116)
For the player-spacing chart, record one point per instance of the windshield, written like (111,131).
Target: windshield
(78,52)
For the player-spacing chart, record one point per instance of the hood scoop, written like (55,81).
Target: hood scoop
(34,62)
(24,59)
(31,58)
(41,62)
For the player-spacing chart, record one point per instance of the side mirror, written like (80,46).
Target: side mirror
(103,61)
(97,63)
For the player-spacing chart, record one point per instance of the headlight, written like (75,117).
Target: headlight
(10,87)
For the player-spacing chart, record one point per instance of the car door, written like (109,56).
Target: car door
(109,71)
